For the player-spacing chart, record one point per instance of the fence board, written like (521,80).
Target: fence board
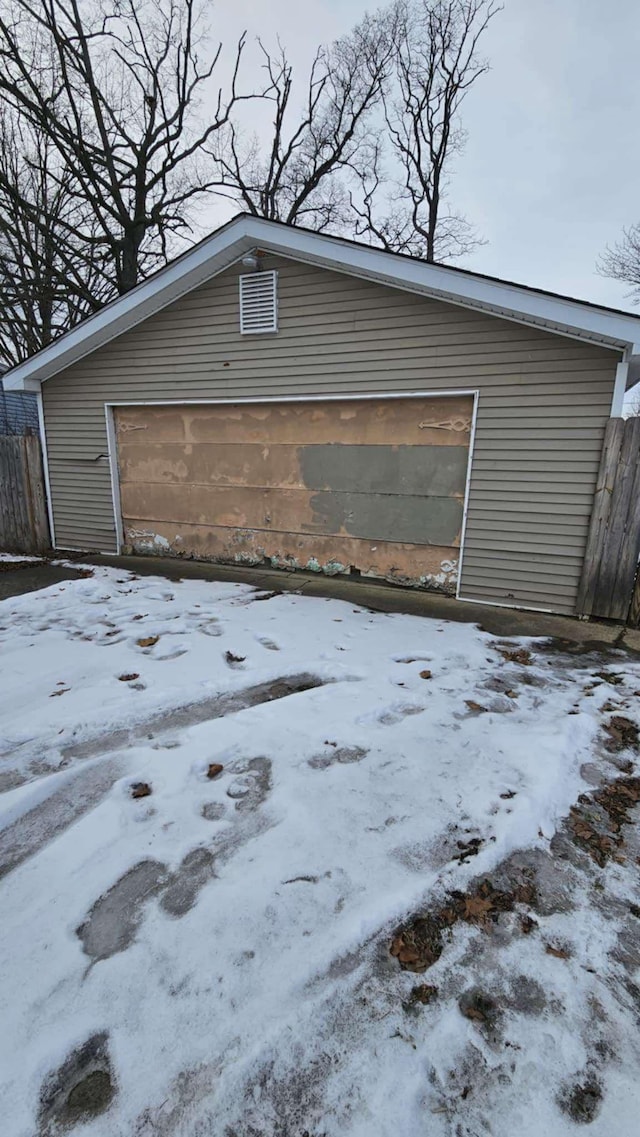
(613,545)
(24,525)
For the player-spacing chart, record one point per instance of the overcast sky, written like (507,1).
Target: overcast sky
(551,171)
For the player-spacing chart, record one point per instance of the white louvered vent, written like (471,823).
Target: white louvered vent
(258,303)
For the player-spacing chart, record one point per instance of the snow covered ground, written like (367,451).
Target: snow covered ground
(407,905)
(17,558)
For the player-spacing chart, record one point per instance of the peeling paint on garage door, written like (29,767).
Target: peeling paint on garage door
(372,485)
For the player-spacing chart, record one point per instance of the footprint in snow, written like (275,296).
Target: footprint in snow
(396,713)
(269,644)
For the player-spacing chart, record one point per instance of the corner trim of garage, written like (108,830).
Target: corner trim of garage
(112,449)
(465,509)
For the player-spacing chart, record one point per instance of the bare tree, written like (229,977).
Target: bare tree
(295,176)
(622,262)
(436,62)
(632,403)
(49,277)
(121,115)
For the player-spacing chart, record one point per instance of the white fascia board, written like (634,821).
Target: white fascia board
(513,301)
(209,258)
(510,301)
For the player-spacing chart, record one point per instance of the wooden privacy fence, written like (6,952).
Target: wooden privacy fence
(613,546)
(24,525)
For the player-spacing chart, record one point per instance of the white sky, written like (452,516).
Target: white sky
(551,171)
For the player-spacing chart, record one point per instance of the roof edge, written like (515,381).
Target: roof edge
(558,314)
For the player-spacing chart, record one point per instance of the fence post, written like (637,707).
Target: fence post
(24,523)
(613,544)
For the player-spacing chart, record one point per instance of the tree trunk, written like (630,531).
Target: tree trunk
(129,266)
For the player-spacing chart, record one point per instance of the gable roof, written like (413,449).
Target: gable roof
(607,327)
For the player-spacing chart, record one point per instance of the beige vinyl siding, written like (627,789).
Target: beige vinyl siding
(544,402)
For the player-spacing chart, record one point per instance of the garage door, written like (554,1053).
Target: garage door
(374,486)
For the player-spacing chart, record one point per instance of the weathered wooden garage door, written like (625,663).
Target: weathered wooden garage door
(372,485)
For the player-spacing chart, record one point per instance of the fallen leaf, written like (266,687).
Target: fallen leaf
(476,707)
(520,655)
(62,691)
(475,1014)
(423,993)
(610,677)
(558,952)
(128,678)
(148,641)
(511,694)
(408,955)
(138,617)
(467,849)
(426,674)
(140,789)
(508,794)
(231,658)
(527,925)
(477,907)
(214,768)
(583,829)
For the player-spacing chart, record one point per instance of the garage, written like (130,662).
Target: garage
(374,486)
(320,411)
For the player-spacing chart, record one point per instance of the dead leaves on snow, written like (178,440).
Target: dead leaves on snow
(596,821)
(147,641)
(129,678)
(475,708)
(419,943)
(467,849)
(517,655)
(623,733)
(140,789)
(558,952)
(477,909)
(423,993)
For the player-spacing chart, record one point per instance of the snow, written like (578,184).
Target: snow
(16,558)
(242,975)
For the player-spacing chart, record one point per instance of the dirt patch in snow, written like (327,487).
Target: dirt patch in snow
(80,1090)
(419,943)
(582,1100)
(596,823)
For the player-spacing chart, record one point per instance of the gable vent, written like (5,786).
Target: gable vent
(258,303)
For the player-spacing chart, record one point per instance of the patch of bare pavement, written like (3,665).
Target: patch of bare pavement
(19,577)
